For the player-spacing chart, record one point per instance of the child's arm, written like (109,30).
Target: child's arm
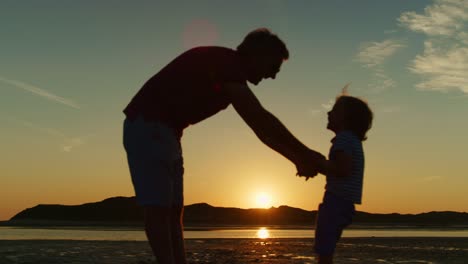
(340,167)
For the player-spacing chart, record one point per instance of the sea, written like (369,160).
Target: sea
(125,234)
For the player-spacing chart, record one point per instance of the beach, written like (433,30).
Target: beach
(224,251)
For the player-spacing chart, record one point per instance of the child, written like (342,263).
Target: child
(349,119)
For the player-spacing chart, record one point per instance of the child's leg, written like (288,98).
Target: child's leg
(325,259)
(325,233)
(334,214)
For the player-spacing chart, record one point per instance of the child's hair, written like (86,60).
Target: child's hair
(358,116)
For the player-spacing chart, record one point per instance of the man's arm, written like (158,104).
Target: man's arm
(270,130)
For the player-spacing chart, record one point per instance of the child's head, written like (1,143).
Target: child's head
(350,113)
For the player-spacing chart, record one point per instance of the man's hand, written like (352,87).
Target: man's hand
(308,170)
(310,165)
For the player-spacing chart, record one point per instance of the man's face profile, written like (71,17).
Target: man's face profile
(264,67)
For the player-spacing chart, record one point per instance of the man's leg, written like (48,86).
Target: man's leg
(153,172)
(177,230)
(158,230)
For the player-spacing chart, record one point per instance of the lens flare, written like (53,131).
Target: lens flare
(199,32)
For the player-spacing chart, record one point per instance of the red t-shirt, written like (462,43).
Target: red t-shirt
(189,89)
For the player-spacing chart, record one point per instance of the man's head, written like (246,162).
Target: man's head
(264,53)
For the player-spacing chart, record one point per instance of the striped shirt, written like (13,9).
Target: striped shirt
(350,187)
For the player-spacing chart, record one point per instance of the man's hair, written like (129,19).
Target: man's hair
(262,42)
(358,116)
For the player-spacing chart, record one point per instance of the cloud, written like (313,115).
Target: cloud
(443,18)
(463,38)
(72,143)
(442,69)
(325,107)
(380,81)
(314,111)
(44,130)
(328,105)
(373,55)
(38,91)
(68,143)
(443,65)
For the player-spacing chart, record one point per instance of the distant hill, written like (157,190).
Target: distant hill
(124,211)
(116,209)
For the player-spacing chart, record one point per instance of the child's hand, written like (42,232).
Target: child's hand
(306,177)
(308,170)
(310,164)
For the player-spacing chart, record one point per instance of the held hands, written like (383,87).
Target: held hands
(310,165)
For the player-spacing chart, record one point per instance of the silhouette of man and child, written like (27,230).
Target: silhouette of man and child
(205,80)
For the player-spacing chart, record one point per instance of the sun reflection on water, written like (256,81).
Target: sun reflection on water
(263,233)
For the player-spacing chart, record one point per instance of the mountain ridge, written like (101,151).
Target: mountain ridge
(124,211)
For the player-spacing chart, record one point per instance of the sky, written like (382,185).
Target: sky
(68,68)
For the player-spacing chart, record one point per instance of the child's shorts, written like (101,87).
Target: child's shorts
(334,214)
(155,161)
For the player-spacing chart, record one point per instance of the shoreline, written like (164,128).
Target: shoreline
(208,227)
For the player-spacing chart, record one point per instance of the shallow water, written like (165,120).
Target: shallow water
(92,233)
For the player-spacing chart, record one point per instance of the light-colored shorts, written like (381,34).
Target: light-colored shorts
(155,161)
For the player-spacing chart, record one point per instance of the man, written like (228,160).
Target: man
(196,85)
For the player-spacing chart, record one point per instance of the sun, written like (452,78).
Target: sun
(263,200)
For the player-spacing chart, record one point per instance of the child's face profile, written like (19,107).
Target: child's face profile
(336,117)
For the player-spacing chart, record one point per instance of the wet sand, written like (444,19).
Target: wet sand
(232,251)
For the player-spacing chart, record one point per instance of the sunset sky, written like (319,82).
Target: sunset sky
(68,68)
